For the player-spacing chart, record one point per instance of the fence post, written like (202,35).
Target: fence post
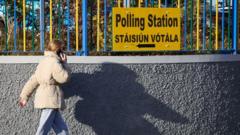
(15,26)
(185,24)
(105,26)
(84,27)
(68,24)
(51,24)
(76,25)
(42,25)
(235,25)
(98,25)
(126,3)
(6,25)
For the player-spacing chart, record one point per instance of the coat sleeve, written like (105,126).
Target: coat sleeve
(61,72)
(29,87)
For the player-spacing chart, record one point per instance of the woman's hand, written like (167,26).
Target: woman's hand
(22,102)
(63,57)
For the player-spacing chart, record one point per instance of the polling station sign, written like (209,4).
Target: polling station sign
(146,29)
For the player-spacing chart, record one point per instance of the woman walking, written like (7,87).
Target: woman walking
(50,73)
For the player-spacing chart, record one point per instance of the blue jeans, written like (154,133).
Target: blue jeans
(51,118)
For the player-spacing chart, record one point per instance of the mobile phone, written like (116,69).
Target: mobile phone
(59,52)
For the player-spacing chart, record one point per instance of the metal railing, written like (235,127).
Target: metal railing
(208,26)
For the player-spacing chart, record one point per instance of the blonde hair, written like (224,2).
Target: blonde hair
(54,45)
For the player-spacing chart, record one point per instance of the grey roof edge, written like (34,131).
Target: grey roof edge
(127,59)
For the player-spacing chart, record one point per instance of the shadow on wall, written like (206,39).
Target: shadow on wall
(114,103)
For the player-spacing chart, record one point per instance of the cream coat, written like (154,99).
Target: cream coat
(47,77)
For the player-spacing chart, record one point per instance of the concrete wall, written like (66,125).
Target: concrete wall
(200,98)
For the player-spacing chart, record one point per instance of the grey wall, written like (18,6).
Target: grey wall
(133,99)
